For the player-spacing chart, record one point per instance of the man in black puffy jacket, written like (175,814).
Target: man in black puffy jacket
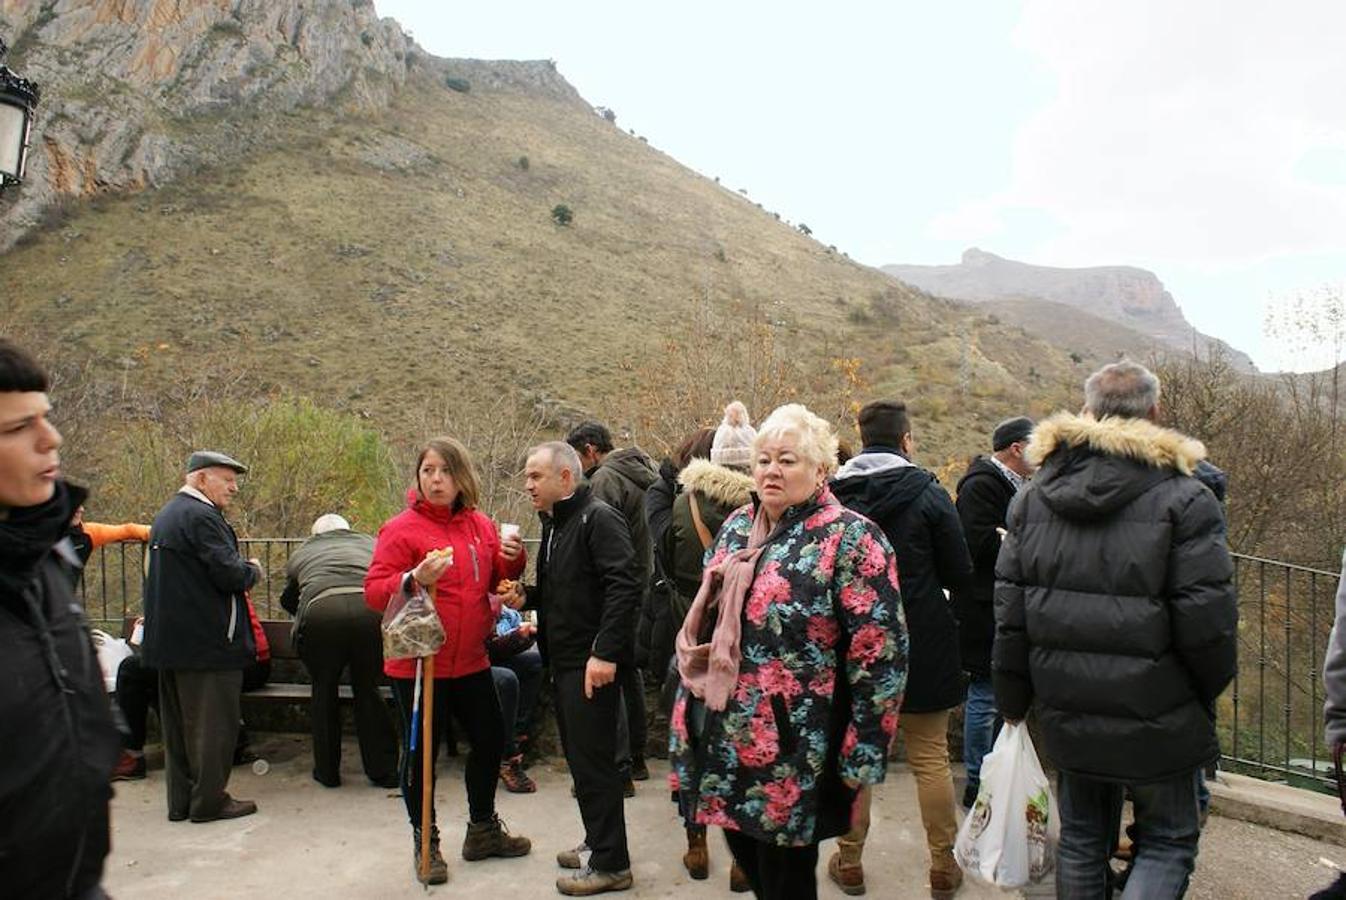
(1115,612)
(921,523)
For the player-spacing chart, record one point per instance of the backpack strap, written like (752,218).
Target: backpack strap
(702,531)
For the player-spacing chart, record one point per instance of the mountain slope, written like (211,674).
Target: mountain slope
(1123,294)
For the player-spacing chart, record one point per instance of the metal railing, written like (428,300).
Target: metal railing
(112,582)
(1271,717)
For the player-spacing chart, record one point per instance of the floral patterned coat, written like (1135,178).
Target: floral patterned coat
(825,602)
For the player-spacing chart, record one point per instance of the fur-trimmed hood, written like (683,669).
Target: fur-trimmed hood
(720,484)
(1138,439)
(1092,467)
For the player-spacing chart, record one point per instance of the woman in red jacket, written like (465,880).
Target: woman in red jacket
(442,513)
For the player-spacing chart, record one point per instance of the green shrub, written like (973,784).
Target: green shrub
(461,85)
(562,214)
(523,163)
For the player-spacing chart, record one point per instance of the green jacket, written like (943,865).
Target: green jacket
(718,491)
(620,481)
(334,559)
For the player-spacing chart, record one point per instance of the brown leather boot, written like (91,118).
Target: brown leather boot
(945,877)
(697,857)
(486,839)
(738,880)
(845,869)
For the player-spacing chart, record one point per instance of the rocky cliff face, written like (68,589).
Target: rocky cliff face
(135,92)
(1133,297)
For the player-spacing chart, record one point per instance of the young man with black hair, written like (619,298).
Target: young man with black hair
(57,740)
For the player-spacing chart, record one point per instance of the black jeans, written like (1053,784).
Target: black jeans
(472,701)
(589,736)
(776,873)
(631,725)
(339,631)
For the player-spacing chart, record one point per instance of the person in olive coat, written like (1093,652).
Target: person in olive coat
(921,523)
(1116,621)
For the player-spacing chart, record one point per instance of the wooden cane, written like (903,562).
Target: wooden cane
(427,755)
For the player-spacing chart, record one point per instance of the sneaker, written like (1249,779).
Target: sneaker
(589,881)
(439,868)
(514,778)
(129,767)
(639,771)
(570,859)
(486,839)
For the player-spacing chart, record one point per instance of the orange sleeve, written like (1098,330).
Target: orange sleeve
(101,534)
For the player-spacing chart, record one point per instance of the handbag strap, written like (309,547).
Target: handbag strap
(697,522)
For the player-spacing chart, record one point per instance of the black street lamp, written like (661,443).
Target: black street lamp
(18,102)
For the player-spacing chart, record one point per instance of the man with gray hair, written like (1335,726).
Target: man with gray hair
(334,629)
(198,635)
(587,593)
(1116,621)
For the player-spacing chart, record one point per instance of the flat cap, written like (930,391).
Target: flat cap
(205,459)
(1011,431)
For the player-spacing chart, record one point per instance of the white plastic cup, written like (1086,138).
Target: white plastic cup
(260,767)
(508,530)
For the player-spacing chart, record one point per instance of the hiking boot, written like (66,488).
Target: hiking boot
(639,771)
(492,838)
(697,857)
(439,869)
(570,859)
(738,880)
(845,868)
(944,883)
(590,881)
(514,778)
(129,767)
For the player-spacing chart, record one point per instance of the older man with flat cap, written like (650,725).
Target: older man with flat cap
(197,634)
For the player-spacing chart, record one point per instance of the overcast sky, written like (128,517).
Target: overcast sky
(1204,140)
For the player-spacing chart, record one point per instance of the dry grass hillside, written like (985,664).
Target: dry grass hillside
(402,264)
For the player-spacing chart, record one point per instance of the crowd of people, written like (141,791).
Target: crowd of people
(800,614)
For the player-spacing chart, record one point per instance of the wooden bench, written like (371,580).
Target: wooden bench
(289,679)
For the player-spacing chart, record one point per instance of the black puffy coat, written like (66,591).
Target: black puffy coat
(196,615)
(587,592)
(1114,607)
(921,523)
(57,741)
(654,630)
(984,495)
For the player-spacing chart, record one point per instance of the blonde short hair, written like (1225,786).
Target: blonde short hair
(816,441)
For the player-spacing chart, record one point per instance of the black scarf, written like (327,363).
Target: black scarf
(27,533)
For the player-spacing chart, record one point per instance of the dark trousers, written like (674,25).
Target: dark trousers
(776,873)
(339,631)
(199,714)
(517,682)
(631,725)
(589,736)
(471,700)
(138,693)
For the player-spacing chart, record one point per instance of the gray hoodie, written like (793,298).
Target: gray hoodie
(1334,669)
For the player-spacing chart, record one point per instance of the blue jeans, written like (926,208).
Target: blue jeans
(1167,831)
(518,681)
(980,724)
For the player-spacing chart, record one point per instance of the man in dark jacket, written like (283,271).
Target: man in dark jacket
(197,634)
(984,496)
(333,629)
(57,741)
(620,478)
(587,595)
(921,523)
(1116,619)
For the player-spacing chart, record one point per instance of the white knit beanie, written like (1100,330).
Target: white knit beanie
(734,437)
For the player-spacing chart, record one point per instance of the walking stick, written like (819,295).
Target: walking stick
(427,755)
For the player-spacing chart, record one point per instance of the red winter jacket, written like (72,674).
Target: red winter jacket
(462,592)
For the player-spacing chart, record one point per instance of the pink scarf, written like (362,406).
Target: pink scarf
(710,671)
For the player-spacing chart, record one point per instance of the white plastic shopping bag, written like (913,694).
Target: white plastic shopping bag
(1009,838)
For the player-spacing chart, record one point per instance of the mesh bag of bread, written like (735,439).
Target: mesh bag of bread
(411,627)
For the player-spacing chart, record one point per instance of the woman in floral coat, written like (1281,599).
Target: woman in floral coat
(793,661)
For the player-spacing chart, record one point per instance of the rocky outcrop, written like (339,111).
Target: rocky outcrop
(135,91)
(1127,295)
